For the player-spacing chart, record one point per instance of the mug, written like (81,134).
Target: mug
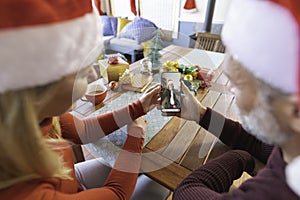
(95,94)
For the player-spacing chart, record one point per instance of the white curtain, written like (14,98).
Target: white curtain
(164,13)
(121,8)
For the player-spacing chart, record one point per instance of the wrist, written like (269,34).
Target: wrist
(136,131)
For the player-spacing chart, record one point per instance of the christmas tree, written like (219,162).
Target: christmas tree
(154,48)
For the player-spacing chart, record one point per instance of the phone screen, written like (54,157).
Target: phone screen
(171,92)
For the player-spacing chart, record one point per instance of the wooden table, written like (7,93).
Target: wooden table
(180,146)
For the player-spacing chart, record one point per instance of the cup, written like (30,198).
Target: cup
(95,94)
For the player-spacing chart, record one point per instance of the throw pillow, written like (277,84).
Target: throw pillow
(114,25)
(106,25)
(121,24)
(139,29)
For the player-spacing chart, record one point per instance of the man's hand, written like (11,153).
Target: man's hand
(191,108)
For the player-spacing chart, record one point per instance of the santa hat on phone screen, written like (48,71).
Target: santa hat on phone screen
(43,41)
(264,36)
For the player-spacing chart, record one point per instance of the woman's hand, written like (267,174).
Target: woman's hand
(151,98)
(140,122)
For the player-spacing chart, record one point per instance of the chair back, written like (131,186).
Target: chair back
(210,42)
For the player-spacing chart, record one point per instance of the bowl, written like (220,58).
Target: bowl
(96,94)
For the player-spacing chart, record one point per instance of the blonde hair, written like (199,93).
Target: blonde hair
(24,152)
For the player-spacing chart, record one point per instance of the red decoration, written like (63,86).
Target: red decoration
(98,6)
(133,8)
(113,85)
(113,60)
(189,5)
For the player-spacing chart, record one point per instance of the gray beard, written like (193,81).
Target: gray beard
(261,123)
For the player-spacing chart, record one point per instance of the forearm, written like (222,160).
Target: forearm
(234,135)
(123,176)
(112,121)
(92,128)
(215,177)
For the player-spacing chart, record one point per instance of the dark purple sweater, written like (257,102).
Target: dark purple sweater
(213,180)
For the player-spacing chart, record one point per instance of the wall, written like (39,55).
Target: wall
(190,23)
(220,11)
(190,28)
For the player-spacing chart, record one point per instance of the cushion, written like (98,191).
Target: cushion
(122,23)
(106,25)
(114,25)
(109,25)
(124,45)
(139,29)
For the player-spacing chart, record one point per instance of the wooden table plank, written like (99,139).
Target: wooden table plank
(196,154)
(162,170)
(210,99)
(218,73)
(232,112)
(222,103)
(217,149)
(166,134)
(177,147)
(222,79)
(173,54)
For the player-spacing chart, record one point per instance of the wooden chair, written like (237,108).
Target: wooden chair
(210,42)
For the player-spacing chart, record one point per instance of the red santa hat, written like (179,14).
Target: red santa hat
(190,6)
(43,41)
(133,7)
(264,36)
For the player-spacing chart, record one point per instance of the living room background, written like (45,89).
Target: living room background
(170,14)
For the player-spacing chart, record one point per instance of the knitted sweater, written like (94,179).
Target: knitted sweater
(213,180)
(119,184)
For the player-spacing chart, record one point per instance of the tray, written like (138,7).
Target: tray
(139,83)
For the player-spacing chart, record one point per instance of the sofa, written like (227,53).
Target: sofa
(125,36)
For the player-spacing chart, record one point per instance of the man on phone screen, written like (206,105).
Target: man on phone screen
(170,96)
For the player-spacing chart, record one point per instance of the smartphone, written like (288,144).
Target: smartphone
(171,92)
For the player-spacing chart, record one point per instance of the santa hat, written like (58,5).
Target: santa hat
(98,6)
(190,6)
(43,41)
(293,175)
(133,7)
(264,36)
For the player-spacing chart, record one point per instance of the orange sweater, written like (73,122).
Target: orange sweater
(119,184)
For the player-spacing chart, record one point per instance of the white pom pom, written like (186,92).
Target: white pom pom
(292,172)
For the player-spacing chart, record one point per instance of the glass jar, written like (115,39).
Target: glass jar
(146,66)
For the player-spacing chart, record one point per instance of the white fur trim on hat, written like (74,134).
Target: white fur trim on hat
(292,172)
(264,37)
(40,54)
